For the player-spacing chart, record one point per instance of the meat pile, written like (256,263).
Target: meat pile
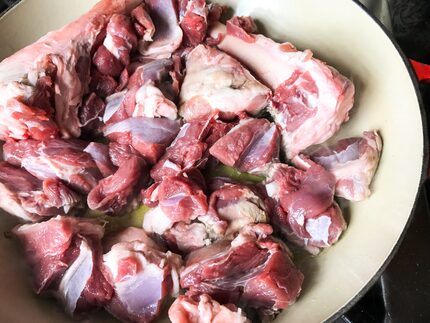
(218,130)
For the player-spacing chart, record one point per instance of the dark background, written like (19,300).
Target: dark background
(402,294)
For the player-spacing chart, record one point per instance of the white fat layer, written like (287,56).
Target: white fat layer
(113,102)
(76,277)
(272,189)
(9,202)
(319,228)
(156,221)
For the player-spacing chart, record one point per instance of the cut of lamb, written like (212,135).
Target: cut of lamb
(143,278)
(189,149)
(120,153)
(100,154)
(174,199)
(217,83)
(165,73)
(55,158)
(56,68)
(168,35)
(144,101)
(253,268)
(231,208)
(193,21)
(250,146)
(30,199)
(149,136)
(353,162)
(203,309)
(65,255)
(112,194)
(311,99)
(305,212)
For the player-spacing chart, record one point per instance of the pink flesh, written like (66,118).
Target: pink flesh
(257,271)
(311,100)
(228,88)
(249,146)
(53,248)
(202,308)
(353,161)
(56,158)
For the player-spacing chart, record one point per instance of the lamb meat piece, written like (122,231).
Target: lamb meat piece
(151,103)
(69,50)
(250,146)
(119,153)
(145,101)
(311,99)
(112,194)
(202,308)
(185,152)
(20,120)
(121,38)
(30,199)
(174,199)
(106,62)
(217,83)
(102,85)
(149,136)
(253,268)
(64,254)
(155,70)
(193,21)
(143,23)
(306,212)
(189,150)
(90,114)
(168,35)
(100,154)
(184,238)
(55,159)
(353,162)
(143,278)
(231,208)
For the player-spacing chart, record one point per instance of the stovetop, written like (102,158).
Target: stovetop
(402,294)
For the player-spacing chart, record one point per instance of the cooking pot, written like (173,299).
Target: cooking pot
(344,35)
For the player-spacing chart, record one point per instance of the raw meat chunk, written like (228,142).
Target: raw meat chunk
(353,162)
(306,213)
(250,146)
(143,278)
(252,268)
(30,199)
(119,153)
(149,136)
(217,83)
(112,194)
(143,23)
(55,158)
(203,309)
(186,237)
(231,208)
(175,199)
(20,120)
(65,256)
(64,57)
(193,21)
(168,34)
(100,154)
(145,101)
(189,149)
(311,99)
